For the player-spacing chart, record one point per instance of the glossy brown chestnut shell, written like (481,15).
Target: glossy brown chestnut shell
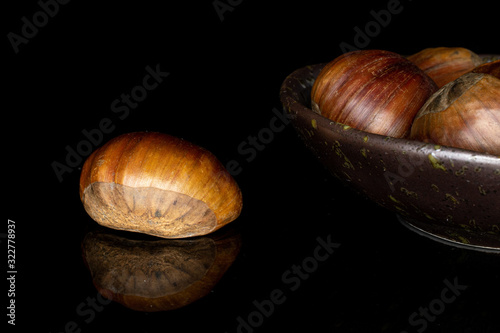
(491,68)
(464,113)
(372,90)
(445,64)
(160,185)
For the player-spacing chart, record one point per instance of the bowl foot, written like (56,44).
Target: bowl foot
(441,237)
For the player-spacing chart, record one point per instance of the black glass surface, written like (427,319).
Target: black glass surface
(311,255)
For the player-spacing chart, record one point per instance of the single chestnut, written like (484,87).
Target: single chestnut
(445,64)
(464,113)
(372,90)
(160,185)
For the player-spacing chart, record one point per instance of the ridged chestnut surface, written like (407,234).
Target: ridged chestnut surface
(491,68)
(445,64)
(372,90)
(159,185)
(464,114)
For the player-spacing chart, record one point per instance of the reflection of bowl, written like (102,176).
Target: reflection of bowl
(157,274)
(447,193)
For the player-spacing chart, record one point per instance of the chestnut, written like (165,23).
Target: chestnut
(445,64)
(375,91)
(491,68)
(464,113)
(160,185)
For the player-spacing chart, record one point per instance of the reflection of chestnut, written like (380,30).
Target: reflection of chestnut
(157,274)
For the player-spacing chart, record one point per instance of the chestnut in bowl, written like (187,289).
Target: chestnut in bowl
(451,195)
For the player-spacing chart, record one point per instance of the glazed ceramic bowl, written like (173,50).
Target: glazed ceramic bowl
(448,194)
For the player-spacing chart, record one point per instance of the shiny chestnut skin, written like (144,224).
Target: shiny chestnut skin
(375,91)
(445,64)
(491,68)
(160,185)
(464,113)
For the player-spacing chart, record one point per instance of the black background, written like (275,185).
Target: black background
(223,83)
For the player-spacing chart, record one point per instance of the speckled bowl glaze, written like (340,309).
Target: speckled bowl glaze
(448,194)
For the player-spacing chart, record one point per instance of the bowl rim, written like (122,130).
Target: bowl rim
(295,98)
(294,107)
